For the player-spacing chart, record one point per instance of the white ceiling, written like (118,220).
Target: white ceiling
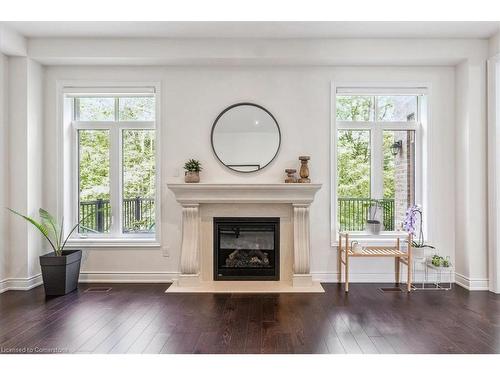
(257,29)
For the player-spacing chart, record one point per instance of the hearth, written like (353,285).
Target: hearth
(246,248)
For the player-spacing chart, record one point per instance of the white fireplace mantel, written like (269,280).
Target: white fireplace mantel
(190,196)
(244,193)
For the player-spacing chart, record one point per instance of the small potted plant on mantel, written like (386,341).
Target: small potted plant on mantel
(60,268)
(193,169)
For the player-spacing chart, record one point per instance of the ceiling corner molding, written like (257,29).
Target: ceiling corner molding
(253,52)
(12,43)
(494,45)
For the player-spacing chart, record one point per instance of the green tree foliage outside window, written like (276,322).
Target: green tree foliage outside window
(137,109)
(353,158)
(95,109)
(94,164)
(138,163)
(355,108)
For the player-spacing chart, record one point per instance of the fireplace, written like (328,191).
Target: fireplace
(246,248)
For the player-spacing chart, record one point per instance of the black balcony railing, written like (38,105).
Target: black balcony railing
(138,215)
(353,212)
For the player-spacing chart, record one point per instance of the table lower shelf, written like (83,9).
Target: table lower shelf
(379,252)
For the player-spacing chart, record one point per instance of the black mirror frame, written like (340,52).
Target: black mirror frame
(238,105)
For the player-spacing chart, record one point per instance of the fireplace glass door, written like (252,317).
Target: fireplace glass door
(246,248)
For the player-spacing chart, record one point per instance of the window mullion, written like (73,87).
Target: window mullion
(76,109)
(377,166)
(120,179)
(377,180)
(117,110)
(115,195)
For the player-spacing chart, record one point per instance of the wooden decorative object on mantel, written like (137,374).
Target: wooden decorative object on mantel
(290,178)
(304,169)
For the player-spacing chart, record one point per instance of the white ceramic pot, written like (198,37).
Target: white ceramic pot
(373,228)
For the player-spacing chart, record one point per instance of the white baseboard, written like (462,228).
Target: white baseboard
(127,277)
(167,277)
(332,277)
(18,283)
(471,283)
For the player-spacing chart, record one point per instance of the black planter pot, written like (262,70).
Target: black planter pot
(60,273)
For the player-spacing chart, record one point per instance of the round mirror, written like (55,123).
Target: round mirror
(246,137)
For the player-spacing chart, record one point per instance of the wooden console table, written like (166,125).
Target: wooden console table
(345,252)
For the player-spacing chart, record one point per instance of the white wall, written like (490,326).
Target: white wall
(4,233)
(25,137)
(494,173)
(493,71)
(471,175)
(35,168)
(299,98)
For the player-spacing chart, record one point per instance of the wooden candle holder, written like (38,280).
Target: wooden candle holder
(304,169)
(290,178)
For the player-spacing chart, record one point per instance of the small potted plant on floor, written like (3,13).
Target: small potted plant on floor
(193,169)
(60,268)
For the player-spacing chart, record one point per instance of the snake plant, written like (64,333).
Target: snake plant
(50,229)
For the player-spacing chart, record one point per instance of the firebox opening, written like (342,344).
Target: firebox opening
(246,248)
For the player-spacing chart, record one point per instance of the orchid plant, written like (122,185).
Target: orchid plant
(413,224)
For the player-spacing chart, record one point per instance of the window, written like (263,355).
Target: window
(376,157)
(115,169)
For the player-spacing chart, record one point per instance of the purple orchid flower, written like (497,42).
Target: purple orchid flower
(410,221)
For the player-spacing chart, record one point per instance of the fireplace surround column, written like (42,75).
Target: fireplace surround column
(190,248)
(301,246)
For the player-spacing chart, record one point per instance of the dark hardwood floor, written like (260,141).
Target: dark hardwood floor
(140,318)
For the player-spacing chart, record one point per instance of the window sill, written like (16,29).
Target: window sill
(112,243)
